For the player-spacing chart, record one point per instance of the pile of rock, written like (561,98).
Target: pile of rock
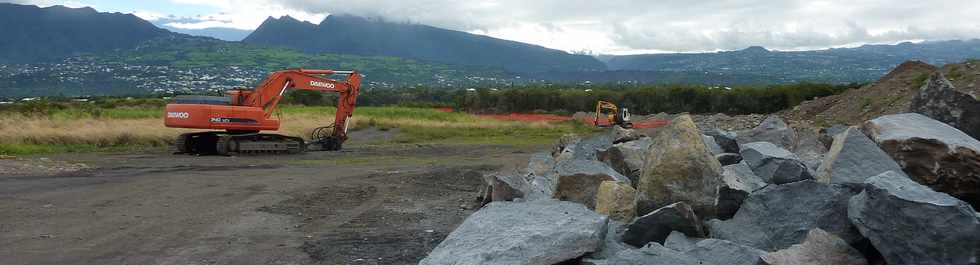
(897,190)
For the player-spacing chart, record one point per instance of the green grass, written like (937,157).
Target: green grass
(33,149)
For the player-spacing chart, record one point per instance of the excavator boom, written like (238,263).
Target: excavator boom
(242,114)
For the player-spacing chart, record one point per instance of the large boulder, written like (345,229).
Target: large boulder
(931,153)
(774,130)
(774,164)
(680,242)
(827,135)
(809,149)
(656,226)
(778,216)
(578,180)
(541,164)
(622,135)
(712,146)
(723,252)
(627,158)
(703,251)
(738,181)
(938,99)
(506,187)
(680,168)
(586,149)
(912,224)
(538,232)
(819,248)
(617,200)
(652,254)
(612,242)
(726,140)
(853,158)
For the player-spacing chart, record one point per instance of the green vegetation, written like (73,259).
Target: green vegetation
(649,99)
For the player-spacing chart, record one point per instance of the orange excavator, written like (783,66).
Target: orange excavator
(241,114)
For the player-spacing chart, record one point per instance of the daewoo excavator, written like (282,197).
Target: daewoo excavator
(612,114)
(242,114)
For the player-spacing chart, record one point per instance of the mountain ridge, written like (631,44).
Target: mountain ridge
(347,34)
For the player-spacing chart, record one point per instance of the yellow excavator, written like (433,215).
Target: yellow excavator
(612,114)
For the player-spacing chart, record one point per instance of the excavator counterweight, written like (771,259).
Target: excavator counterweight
(241,114)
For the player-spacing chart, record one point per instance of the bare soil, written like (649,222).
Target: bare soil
(369,204)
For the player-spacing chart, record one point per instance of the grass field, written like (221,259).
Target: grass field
(96,129)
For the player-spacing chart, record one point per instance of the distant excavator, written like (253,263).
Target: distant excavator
(612,114)
(241,114)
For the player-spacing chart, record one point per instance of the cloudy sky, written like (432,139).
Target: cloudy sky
(606,26)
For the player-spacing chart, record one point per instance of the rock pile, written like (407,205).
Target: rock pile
(896,190)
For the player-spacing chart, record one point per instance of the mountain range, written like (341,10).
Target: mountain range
(345,34)
(393,55)
(34,34)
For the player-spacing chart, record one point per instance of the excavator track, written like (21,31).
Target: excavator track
(224,143)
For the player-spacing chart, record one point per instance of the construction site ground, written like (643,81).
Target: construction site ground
(369,204)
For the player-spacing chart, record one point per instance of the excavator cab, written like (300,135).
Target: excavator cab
(612,115)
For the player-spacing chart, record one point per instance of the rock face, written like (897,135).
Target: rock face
(680,168)
(627,158)
(578,180)
(738,181)
(774,130)
(853,158)
(653,254)
(779,216)
(680,242)
(617,200)
(938,99)
(911,224)
(827,135)
(819,248)
(773,164)
(539,232)
(726,140)
(656,226)
(932,153)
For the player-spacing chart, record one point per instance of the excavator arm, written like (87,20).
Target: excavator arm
(270,92)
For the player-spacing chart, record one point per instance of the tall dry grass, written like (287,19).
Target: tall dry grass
(139,130)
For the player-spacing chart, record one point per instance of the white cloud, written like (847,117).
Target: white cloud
(632,26)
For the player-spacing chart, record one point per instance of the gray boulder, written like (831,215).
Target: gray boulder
(827,134)
(579,180)
(809,149)
(656,226)
(726,140)
(627,158)
(912,224)
(931,152)
(652,254)
(773,164)
(622,135)
(541,164)
(938,99)
(680,242)
(854,158)
(723,252)
(779,216)
(506,187)
(738,182)
(612,242)
(774,130)
(712,145)
(588,148)
(538,232)
(819,248)
(728,158)
(680,168)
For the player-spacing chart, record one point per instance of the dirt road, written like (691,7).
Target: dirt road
(367,205)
